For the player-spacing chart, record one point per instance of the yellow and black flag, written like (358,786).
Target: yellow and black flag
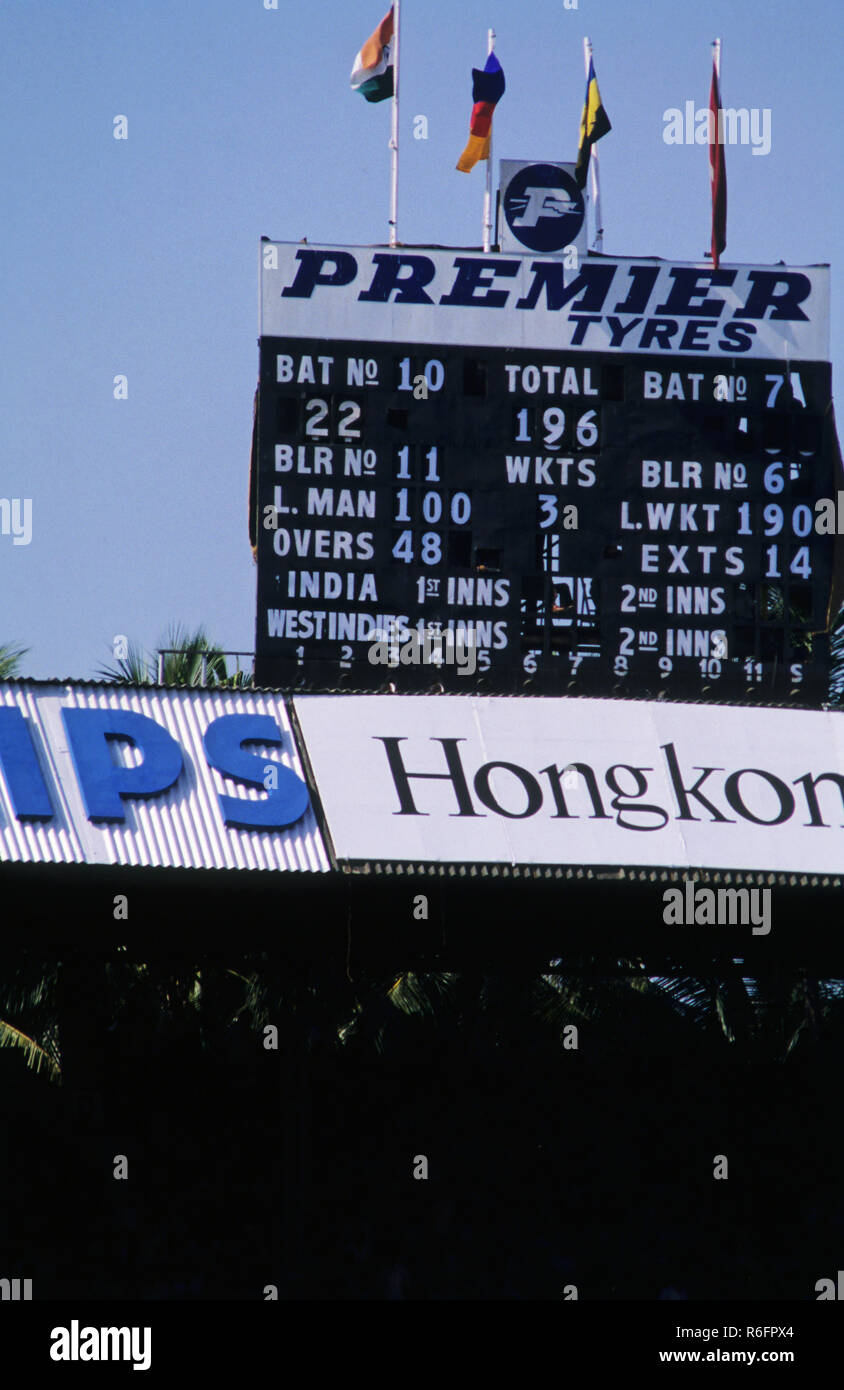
(593,124)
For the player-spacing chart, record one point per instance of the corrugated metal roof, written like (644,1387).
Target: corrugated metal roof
(181,827)
(305,687)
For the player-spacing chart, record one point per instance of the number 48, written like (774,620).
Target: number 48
(431,548)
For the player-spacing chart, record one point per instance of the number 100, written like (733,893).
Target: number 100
(432,507)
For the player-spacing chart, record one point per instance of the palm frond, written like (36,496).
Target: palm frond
(422,994)
(133,669)
(191,659)
(36,1055)
(836,655)
(10,658)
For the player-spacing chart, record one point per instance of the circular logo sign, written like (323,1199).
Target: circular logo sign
(544,207)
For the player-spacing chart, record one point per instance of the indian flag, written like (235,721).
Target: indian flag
(372,73)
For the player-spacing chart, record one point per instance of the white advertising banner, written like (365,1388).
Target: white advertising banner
(458,779)
(419,295)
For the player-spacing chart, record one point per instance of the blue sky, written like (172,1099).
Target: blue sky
(140,256)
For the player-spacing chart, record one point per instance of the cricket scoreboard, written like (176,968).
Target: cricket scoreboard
(506,473)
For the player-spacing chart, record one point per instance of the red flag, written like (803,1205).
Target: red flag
(717,171)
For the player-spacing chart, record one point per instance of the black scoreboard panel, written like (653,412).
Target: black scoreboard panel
(585,522)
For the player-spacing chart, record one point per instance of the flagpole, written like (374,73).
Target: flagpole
(394,133)
(598,243)
(487,229)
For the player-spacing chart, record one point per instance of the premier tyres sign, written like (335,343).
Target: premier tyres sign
(578,781)
(606,305)
(122,776)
